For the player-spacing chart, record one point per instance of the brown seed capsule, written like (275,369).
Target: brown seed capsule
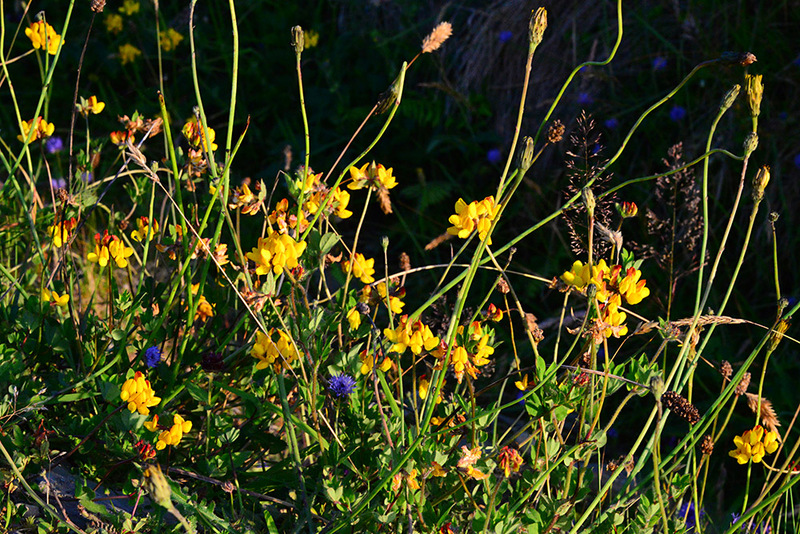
(741,388)
(556,132)
(681,407)
(98,5)
(707,445)
(725,369)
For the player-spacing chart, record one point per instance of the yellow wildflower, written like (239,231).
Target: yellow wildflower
(128,53)
(145,229)
(354,318)
(41,129)
(467,461)
(278,353)
(174,435)
(416,336)
(361,268)
(310,38)
(57,300)
(169,39)
(632,288)
(42,35)
(194,132)
(749,446)
(139,395)
(129,7)
(423,388)
(371,175)
(276,252)
(118,251)
(509,461)
(90,105)
(113,23)
(395,304)
(119,138)
(368,362)
(62,232)
(341,199)
(152,425)
(472,216)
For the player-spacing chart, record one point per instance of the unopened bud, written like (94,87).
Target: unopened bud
(657,387)
(298,39)
(588,200)
(773,217)
(777,335)
(755,90)
(526,154)
(384,242)
(537,26)
(750,144)
(738,58)
(760,183)
(730,97)
(627,209)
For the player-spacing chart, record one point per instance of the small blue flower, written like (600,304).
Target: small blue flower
(612,123)
(58,183)
(677,113)
(659,63)
(494,156)
(505,36)
(341,385)
(54,145)
(152,357)
(585,99)
(797,161)
(87,176)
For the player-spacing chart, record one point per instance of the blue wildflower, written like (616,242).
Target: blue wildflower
(54,145)
(797,161)
(87,176)
(677,113)
(58,183)
(687,514)
(585,99)
(659,63)
(152,357)
(494,156)
(505,36)
(612,123)
(341,385)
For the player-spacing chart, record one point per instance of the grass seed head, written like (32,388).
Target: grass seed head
(437,37)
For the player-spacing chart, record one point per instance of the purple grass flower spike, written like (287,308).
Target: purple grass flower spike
(505,36)
(494,156)
(659,63)
(677,113)
(341,385)
(152,357)
(53,145)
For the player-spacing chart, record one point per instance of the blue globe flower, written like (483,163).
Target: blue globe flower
(341,385)
(505,36)
(659,63)
(152,357)
(612,123)
(494,156)
(677,113)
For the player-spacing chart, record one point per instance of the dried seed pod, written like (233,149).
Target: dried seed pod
(725,369)
(681,407)
(741,388)
(707,445)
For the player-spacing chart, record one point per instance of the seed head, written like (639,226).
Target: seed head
(741,388)
(767,413)
(681,407)
(725,369)
(707,445)
(437,37)
(555,133)
(98,5)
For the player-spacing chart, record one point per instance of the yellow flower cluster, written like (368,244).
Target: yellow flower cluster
(317,192)
(276,252)
(612,289)
(139,395)
(113,23)
(368,362)
(173,435)
(284,220)
(62,232)
(269,351)
(128,53)
(145,229)
(472,216)
(109,247)
(193,132)
(361,267)
(424,387)
(413,335)
(129,7)
(41,129)
(169,39)
(42,35)
(371,175)
(470,351)
(244,199)
(753,445)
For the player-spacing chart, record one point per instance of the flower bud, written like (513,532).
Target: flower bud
(627,209)
(760,183)
(157,486)
(750,144)
(755,90)
(777,335)
(298,39)
(589,200)
(730,97)
(526,154)
(657,387)
(537,26)
(738,58)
